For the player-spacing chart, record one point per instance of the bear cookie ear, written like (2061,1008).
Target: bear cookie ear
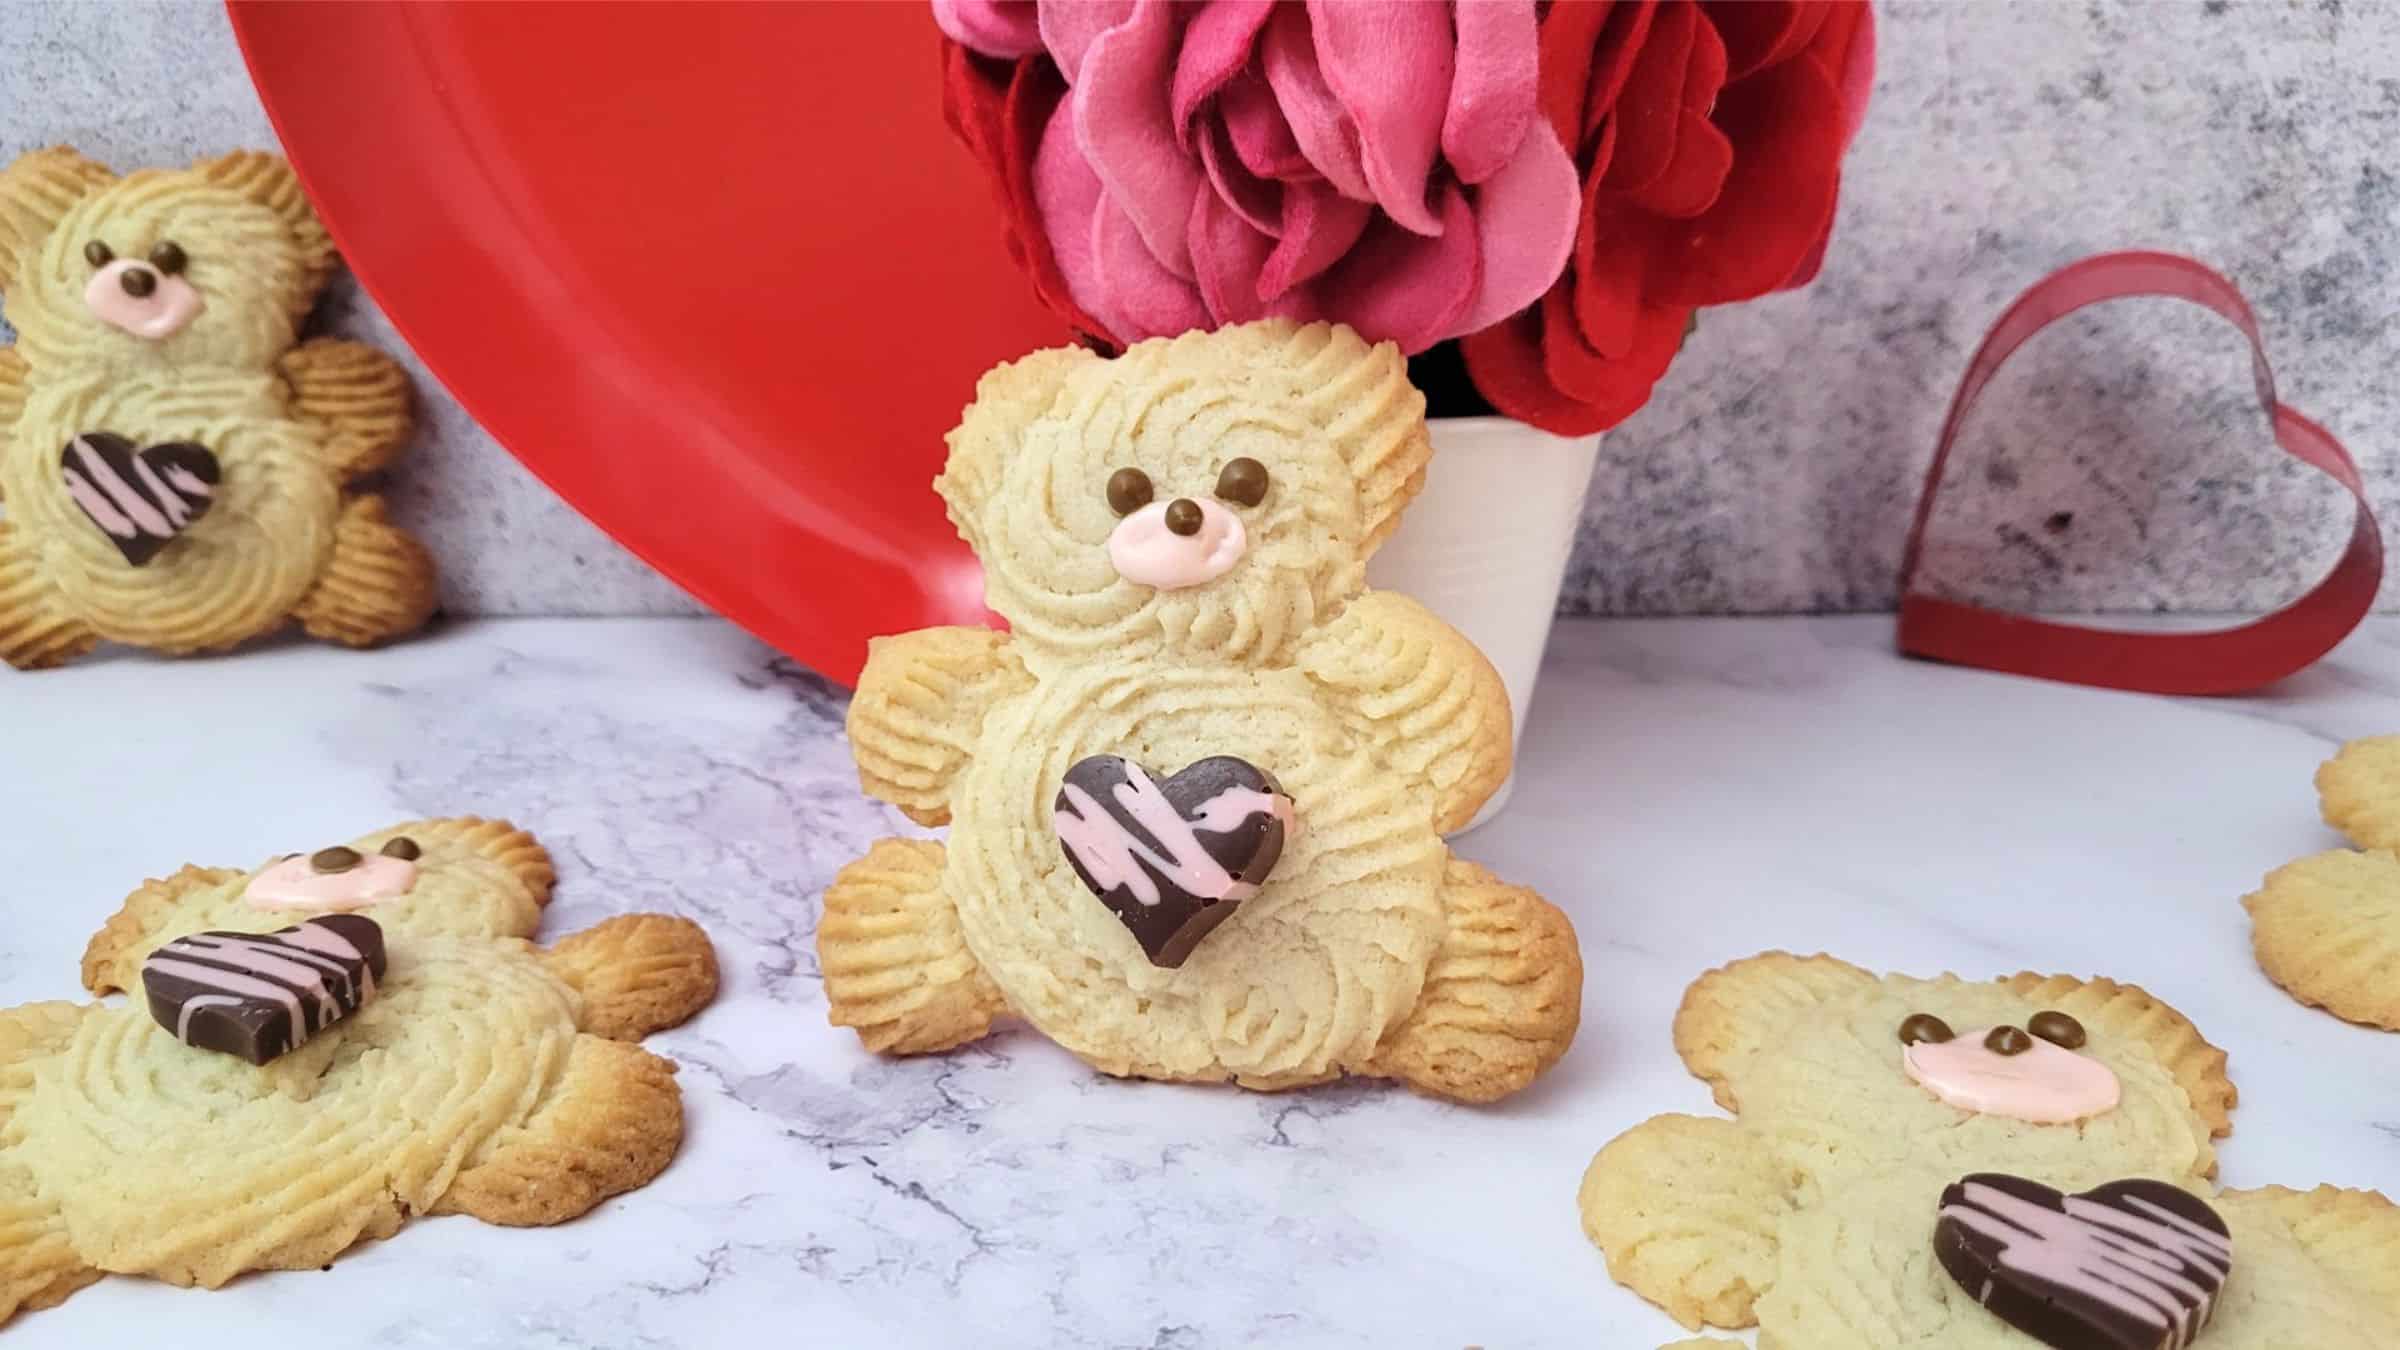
(2359,791)
(35,194)
(268,180)
(1733,1012)
(1008,399)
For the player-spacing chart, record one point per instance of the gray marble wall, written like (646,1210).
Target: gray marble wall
(2115,466)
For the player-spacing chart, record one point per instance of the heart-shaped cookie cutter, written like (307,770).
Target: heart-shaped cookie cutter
(2227,661)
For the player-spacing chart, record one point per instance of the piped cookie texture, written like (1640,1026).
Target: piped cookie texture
(339,1072)
(2327,928)
(184,471)
(1873,1114)
(1197,791)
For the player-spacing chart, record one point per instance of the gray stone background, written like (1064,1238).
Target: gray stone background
(2118,465)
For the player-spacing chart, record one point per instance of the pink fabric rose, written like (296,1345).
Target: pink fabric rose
(1384,165)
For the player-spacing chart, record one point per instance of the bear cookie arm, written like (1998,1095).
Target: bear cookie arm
(1416,687)
(12,389)
(920,705)
(357,395)
(637,973)
(1685,1208)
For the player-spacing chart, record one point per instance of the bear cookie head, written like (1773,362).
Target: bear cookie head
(215,264)
(1214,495)
(1950,1164)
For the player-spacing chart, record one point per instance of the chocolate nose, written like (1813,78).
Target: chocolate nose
(138,281)
(1183,516)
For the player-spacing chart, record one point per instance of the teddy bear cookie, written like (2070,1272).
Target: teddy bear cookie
(179,470)
(318,1049)
(2327,928)
(1951,1164)
(1197,791)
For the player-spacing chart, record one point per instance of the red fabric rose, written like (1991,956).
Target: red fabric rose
(1379,164)
(999,108)
(1709,139)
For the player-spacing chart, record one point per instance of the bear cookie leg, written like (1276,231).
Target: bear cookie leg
(1501,1000)
(38,1265)
(378,585)
(896,964)
(35,631)
(613,1123)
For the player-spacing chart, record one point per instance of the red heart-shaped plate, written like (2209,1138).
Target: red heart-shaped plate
(717,273)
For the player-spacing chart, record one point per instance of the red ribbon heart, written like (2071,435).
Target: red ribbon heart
(2230,661)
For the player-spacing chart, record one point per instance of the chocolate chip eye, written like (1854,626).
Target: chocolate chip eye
(2058,1029)
(168,257)
(403,848)
(98,254)
(1128,491)
(1242,481)
(2007,1041)
(1925,1027)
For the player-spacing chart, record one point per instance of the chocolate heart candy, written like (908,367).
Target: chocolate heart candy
(1171,860)
(141,499)
(2132,1265)
(259,995)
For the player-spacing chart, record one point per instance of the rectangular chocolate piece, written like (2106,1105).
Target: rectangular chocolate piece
(259,995)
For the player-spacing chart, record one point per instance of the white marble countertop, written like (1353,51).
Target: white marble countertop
(1691,791)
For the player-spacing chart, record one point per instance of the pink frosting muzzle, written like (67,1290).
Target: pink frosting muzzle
(171,304)
(1147,553)
(294,884)
(2046,1085)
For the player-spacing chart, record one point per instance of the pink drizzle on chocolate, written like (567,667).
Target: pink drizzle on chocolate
(259,995)
(1138,843)
(2133,1265)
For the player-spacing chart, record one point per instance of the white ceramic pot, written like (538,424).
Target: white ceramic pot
(1485,544)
